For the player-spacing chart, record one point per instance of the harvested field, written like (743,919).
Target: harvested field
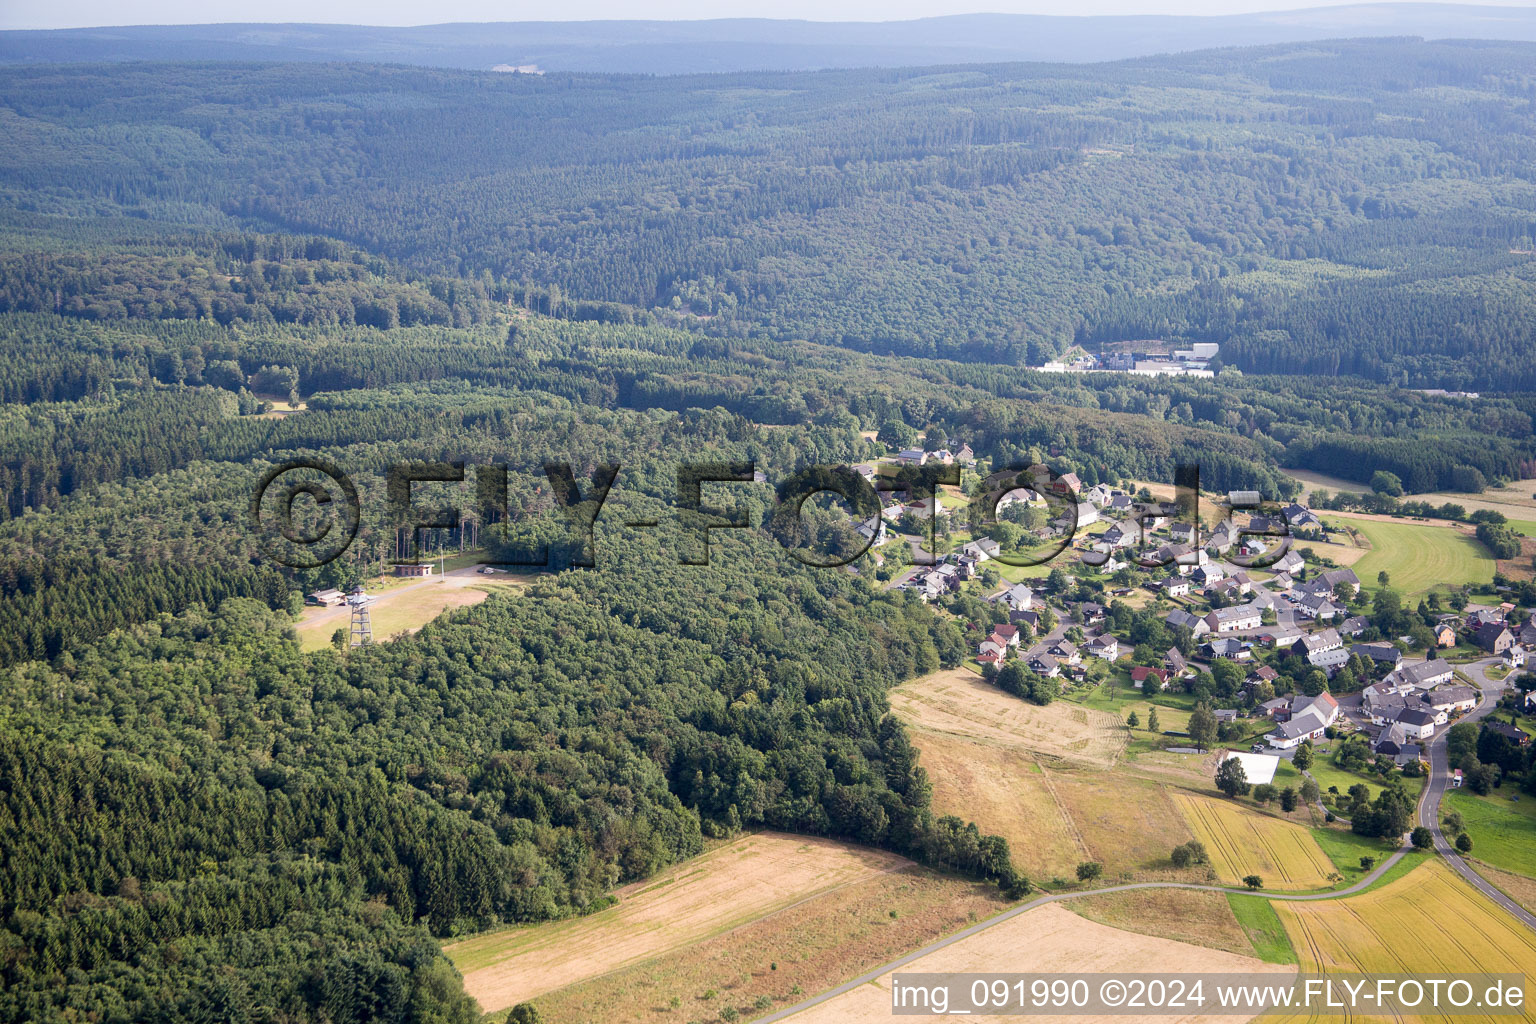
(1184,915)
(1311,481)
(958,703)
(1242,842)
(1128,824)
(1427,923)
(813,946)
(1048,939)
(1006,793)
(724,888)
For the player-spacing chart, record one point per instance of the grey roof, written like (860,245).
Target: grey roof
(1417,673)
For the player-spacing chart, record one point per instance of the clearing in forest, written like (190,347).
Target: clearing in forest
(1242,842)
(1046,940)
(404,606)
(731,885)
(957,702)
(1429,923)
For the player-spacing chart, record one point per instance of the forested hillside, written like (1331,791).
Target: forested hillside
(1280,201)
(212,269)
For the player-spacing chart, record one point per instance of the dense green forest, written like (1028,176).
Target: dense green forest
(198,821)
(1362,208)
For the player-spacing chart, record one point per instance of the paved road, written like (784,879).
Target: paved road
(1428,814)
(1439,781)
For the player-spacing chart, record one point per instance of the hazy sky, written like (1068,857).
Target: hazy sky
(78,13)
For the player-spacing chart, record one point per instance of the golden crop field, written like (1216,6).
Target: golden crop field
(959,703)
(731,885)
(1242,842)
(1426,923)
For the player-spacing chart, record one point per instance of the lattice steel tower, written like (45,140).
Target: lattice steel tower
(362,626)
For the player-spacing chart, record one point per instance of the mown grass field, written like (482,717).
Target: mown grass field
(1005,792)
(1244,842)
(1503,831)
(1426,923)
(1184,915)
(1418,556)
(1327,774)
(1129,824)
(1263,928)
(729,886)
(1344,849)
(959,703)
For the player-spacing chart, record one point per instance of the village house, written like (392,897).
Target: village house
(1424,675)
(1276,708)
(1309,719)
(1291,562)
(1196,624)
(981,550)
(1318,606)
(1381,653)
(1065,652)
(1172,587)
(1516,736)
(1175,664)
(1142,673)
(1451,699)
(1234,618)
(1041,663)
(1311,643)
(1018,597)
(1354,625)
(1104,646)
(1494,637)
(1227,647)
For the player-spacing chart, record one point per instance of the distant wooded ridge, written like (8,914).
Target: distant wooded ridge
(749,44)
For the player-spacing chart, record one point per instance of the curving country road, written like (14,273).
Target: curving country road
(1439,780)
(1428,814)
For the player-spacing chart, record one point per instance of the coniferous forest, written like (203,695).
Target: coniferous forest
(200,821)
